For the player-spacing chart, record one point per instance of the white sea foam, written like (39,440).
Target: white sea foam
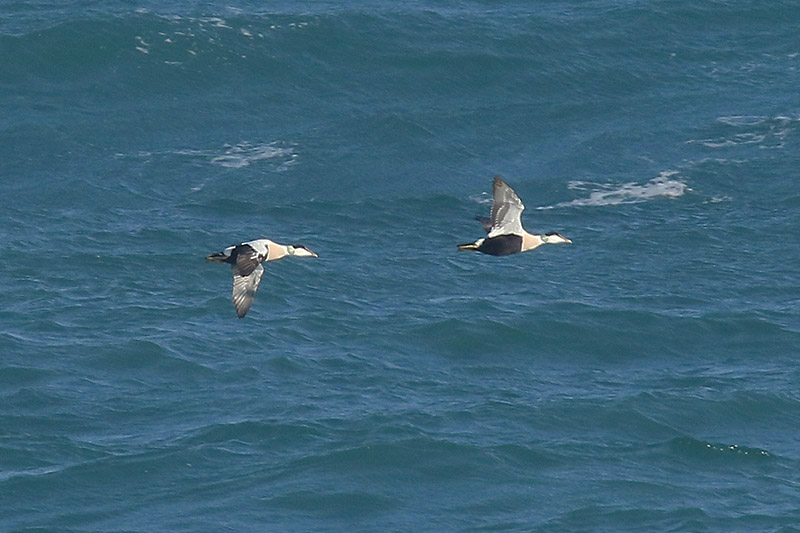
(763,131)
(666,185)
(278,154)
(482,198)
(718,199)
(281,156)
(144,47)
(245,154)
(216,22)
(741,120)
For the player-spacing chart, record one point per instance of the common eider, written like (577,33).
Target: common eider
(245,260)
(506,235)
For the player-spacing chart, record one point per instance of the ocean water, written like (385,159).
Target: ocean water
(644,378)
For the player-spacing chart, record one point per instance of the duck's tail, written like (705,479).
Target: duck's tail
(216,257)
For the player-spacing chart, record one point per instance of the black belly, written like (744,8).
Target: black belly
(501,245)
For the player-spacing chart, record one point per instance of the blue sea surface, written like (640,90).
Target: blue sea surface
(644,378)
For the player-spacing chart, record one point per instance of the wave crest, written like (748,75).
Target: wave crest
(740,130)
(663,186)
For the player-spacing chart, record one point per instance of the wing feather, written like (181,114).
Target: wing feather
(247,259)
(245,287)
(507,209)
(486,222)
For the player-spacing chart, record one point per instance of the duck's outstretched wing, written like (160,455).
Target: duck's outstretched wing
(248,257)
(245,287)
(247,272)
(507,209)
(486,222)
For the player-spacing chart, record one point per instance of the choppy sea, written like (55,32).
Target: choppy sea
(644,378)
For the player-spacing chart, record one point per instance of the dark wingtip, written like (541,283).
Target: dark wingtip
(499,182)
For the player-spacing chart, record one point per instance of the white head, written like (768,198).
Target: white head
(298,250)
(555,238)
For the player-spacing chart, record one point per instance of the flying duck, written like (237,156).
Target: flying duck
(245,260)
(506,235)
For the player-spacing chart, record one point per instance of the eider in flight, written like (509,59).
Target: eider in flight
(506,235)
(245,260)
